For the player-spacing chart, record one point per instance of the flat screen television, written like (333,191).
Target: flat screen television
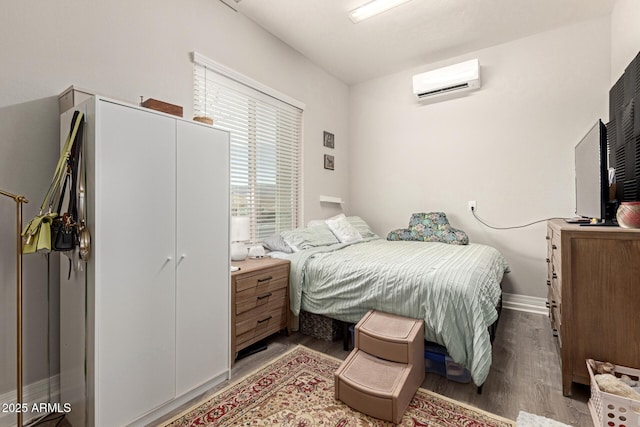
(591,174)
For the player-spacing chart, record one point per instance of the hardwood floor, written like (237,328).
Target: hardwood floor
(525,373)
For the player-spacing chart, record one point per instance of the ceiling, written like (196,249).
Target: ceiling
(416,33)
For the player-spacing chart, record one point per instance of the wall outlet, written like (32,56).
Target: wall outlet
(472,205)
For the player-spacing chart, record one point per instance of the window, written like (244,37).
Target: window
(266,135)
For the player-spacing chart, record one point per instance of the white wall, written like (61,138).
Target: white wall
(126,49)
(509,146)
(625,36)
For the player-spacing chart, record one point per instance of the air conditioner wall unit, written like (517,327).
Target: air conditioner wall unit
(454,78)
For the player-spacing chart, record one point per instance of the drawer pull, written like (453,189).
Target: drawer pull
(265,319)
(548,282)
(267,295)
(548,260)
(554,275)
(554,247)
(547,237)
(546,303)
(266,279)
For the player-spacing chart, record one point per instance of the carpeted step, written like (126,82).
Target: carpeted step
(391,337)
(375,386)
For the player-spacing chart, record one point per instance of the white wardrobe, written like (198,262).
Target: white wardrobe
(145,327)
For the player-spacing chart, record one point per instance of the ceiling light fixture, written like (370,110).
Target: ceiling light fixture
(373,8)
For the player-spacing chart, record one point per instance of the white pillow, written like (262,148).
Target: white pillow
(344,231)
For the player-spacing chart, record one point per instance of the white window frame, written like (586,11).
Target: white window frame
(266,98)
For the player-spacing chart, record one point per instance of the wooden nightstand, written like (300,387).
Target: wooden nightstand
(259,301)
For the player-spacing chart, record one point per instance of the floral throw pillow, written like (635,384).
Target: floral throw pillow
(430,227)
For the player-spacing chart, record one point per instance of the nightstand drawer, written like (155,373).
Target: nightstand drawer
(263,324)
(267,279)
(261,289)
(266,301)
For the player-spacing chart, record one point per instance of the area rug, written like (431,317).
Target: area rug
(296,390)
(526,419)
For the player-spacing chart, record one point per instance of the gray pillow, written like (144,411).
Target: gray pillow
(362,227)
(277,244)
(309,237)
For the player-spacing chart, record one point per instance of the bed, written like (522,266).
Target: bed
(454,288)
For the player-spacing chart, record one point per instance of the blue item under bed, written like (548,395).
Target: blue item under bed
(438,361)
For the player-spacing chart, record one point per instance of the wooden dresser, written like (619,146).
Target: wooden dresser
(593,296)
(259,301)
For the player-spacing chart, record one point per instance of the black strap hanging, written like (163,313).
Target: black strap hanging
(64,233)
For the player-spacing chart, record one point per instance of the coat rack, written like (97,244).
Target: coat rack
(20,200)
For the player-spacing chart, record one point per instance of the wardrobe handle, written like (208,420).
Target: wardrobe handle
(547,237)
(265,319)
(554,247)
(555,276)
(548,260)
(548,282)
(266,279)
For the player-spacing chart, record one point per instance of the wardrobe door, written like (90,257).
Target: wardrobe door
(134,262)
(202,305)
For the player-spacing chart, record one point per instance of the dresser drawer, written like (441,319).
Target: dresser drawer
(558,323)
(555,240)
(556,287)
(259,304)
(554,305)
(250,285)
(255,296)
(260,325)
(556,264)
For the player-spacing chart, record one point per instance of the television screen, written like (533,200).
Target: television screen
(592,184)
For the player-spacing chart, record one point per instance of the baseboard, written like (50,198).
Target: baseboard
(37,392)
(525,303)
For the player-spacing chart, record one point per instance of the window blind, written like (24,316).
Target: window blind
(265,149)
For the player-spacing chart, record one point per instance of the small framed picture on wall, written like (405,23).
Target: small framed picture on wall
(328,162)
(328,139)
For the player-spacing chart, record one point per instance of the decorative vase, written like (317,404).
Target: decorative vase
(628,215)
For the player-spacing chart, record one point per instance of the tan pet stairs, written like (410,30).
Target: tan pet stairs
(385,368)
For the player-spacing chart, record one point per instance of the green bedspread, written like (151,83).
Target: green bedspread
(454,288)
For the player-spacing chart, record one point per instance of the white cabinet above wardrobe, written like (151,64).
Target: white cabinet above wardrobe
(157,283)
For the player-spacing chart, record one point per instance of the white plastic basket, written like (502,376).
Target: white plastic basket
(610,410)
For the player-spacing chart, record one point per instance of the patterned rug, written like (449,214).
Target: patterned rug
(296,390)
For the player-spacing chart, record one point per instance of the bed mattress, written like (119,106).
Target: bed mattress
(454,288)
